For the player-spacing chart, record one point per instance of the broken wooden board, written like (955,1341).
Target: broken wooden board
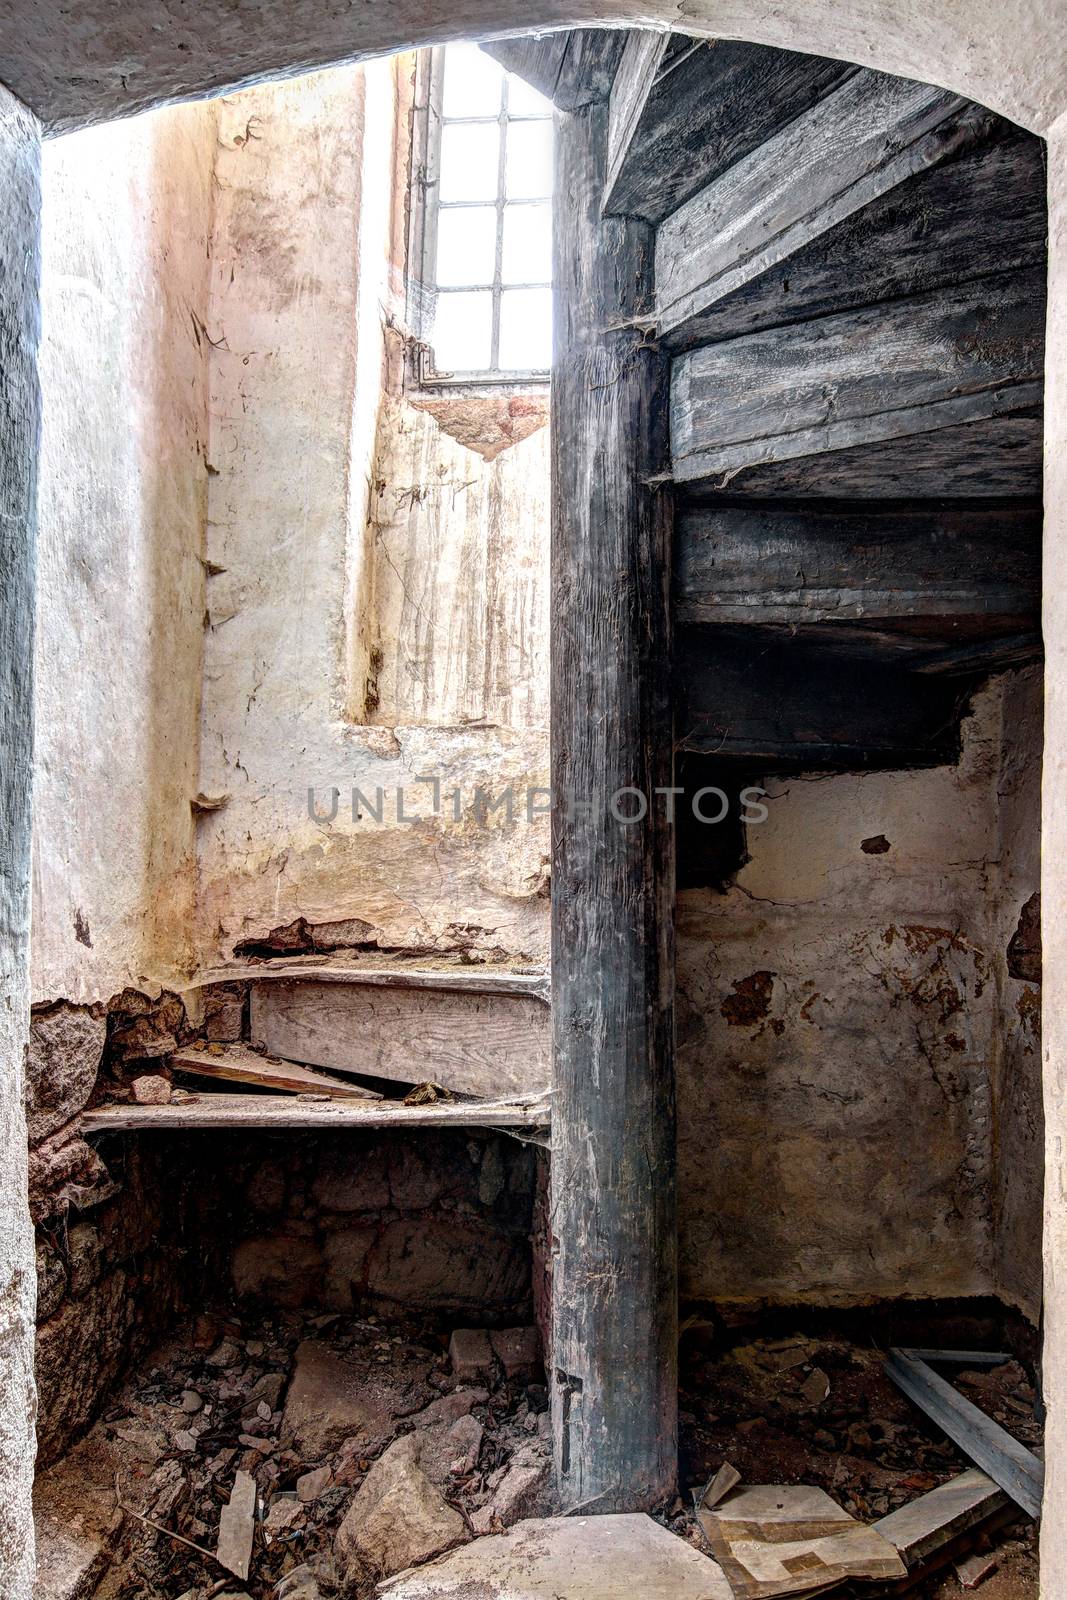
(288,1111)
(443,975)
(237,1526)
(773,1540)
(239,1065)
(488,1045)
(959,355)
(867,135)
(1013,1467)
(925,1526)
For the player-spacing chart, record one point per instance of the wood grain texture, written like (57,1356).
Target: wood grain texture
(714,103)
(238,1065)
(470,1043)
(572,69)
(866,136)
(891,371)
(998,459)
(776,701)
(926,1525)
(641,59)
(777,563)
(614,1291)
(978,211)
(1013,1467)
(447,977)
(283,1111)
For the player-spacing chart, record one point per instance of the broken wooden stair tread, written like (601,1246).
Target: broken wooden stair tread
(277,1111)
(447,976)
(240,1065)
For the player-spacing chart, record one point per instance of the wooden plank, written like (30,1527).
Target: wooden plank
(614,1370)
(1013,1467)
(958,355)
(282,1111)
(238,1065)
(982,210)
(926,1525)
(789,564)
(641,59)
(715,102)
(779,701)
(865,137)
(470,1043)
(996,459)
(962,1358)
(573,68)
(447,977)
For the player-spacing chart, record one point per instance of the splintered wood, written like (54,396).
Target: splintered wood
(774,1541)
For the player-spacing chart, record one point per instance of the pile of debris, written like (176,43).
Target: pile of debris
(306,1457)
(297,1458)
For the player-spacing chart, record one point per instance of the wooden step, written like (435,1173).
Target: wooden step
(702,106)
(977,212)
(444,975)
(866,136)
(239,1065)
(933,574)
(477,1038)
(894,371)
(778,702)
(278,1111)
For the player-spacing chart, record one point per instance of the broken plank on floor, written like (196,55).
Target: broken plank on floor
(240,1065)
(924,1526)
(279,1111)
(1010,1464)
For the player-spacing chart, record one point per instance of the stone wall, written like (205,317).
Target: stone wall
(437,1222)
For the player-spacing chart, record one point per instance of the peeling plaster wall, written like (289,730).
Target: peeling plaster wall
(20,413)
(840,1030)
(120,584)
(342,537)
(1020,1125)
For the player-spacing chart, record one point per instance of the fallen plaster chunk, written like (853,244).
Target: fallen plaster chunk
(580,1558)
(237,1526)
(470,1353)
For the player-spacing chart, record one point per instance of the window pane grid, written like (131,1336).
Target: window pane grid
(529,170)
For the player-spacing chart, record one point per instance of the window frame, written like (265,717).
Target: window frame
(425,207)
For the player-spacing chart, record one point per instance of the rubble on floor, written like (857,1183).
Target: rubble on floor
(337,1455)
(308,1456)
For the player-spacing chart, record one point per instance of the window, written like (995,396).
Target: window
(481,303)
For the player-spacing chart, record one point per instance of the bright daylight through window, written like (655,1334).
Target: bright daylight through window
(488,223)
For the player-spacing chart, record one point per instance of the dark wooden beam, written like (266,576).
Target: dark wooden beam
(711,104)
(798,565)
(614,1270)
(891,371)
(998,459)
(982,210)
(867,135)
(572,69)
(640,62)
(775,701)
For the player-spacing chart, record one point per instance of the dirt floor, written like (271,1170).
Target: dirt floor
(319,1410)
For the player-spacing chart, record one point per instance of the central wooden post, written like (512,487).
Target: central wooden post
(614,1235)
